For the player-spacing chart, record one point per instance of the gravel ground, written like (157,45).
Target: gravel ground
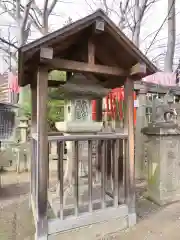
(16,222)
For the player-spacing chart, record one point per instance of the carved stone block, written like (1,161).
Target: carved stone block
(163,157)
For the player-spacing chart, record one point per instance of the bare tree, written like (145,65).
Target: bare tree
(129,13)
(168,62)
(26,16)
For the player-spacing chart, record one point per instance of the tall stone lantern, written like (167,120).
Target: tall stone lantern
(163,151)
(78,93)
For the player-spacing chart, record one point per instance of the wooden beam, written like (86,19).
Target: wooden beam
(129,148)
(42,146)
(81,50)
(138,70)
(75,66)
(54,83)
(91,52)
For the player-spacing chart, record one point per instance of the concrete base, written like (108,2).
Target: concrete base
(161,200)
(98,231)
(100,224)
(132,219)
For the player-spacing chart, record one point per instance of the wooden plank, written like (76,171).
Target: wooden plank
(129,148)
(75,66)
(91,52)
(138,69)
(55,84)
(87,219)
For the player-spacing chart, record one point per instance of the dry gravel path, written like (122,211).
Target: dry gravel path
(16,222)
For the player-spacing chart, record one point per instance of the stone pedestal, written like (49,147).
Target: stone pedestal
(139,137)
(163,151)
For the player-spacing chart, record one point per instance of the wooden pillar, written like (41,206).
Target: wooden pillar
(91,60)
(42,152)
(129,149)
(99,110)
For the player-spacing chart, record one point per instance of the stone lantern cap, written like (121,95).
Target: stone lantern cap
(78,86)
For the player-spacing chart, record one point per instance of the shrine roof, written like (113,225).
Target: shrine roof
(112,48)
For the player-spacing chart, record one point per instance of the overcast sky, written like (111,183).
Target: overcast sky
(80,8)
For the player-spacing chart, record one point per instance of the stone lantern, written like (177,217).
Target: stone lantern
(78,93)
(163,151)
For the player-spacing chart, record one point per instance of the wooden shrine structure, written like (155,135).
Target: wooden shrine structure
(95,47)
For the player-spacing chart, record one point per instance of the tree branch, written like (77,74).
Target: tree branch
(143,8)
(53,4)
(107,10)
(45,17)
(18,11)
(6,50)
(37,9)
(8,43)
(34,21)
(26,14)
(124,15)
(4,8)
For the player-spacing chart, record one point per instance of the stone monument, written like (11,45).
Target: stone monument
(163,151)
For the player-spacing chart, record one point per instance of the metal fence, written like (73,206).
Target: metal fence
(7,120)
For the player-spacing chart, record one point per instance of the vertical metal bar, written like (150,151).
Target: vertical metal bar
(116,167)
(90,174)
(60,153)
(103,169)
(75,175)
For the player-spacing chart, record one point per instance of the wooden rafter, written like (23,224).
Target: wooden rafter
(75,66)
